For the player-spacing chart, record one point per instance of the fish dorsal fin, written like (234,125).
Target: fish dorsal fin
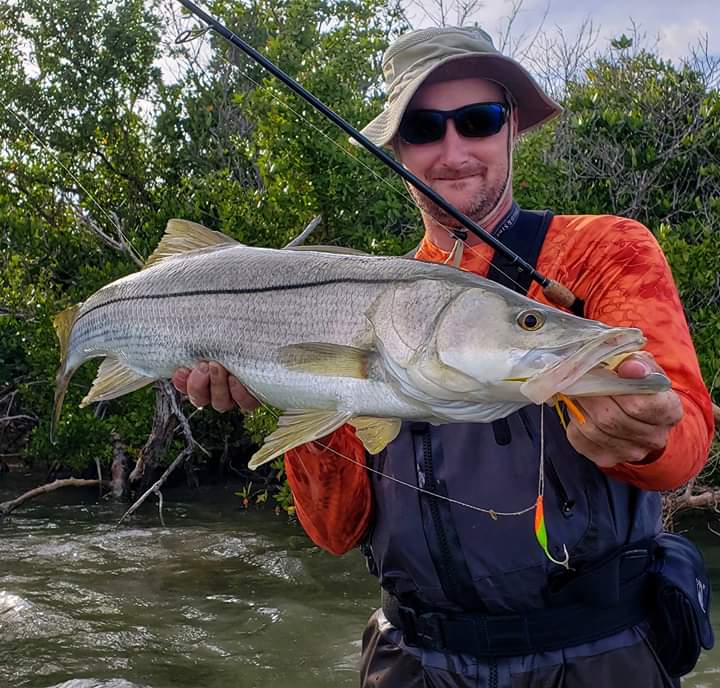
(320,358)
(296,427)
(113,380)
(324,248)
(375,433)
(182,236)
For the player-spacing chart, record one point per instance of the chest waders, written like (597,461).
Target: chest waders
(464,590)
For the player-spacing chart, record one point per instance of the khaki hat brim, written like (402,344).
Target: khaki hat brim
(533,105)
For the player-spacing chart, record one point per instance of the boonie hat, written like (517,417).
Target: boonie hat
(467,52)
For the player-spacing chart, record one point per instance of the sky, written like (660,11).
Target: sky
(676,24)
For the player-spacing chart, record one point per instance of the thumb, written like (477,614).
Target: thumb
(637,366)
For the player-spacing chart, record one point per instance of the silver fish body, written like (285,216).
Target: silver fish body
(331,337)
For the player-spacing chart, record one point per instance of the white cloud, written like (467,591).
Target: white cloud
(674,25)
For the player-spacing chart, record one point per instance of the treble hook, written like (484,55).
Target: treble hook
(560,562)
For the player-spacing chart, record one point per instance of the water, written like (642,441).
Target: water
(217,597)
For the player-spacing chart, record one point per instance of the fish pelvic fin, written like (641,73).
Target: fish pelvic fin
(333,360)
(296,427)
(114,379)
(182,236)
(376,433)
(63,323)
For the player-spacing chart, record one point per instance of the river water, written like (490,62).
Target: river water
(216,597)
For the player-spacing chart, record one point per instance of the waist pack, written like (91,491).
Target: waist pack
(681,621)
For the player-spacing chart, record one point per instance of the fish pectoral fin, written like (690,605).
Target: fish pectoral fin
(319,358)
(375,433)
(182,236)
(296,427)
(113,380)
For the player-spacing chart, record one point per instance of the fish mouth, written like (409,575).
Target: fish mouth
(568,369)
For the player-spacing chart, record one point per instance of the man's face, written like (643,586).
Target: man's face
(468,172)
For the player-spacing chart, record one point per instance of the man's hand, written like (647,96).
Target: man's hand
(209,383)
(626,428)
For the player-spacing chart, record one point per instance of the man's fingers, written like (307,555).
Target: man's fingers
(663,408)
(609,424)
(606,449)
(598,454)
(243,398)
(219,392)
(198,385)
(210,383)
(179,380)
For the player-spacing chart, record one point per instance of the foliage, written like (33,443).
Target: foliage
(101,146)
(638,139)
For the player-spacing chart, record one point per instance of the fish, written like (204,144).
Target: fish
(334,337)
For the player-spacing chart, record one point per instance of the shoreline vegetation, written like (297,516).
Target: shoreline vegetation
(110,128)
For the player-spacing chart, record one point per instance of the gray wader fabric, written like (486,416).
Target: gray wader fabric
(388,663)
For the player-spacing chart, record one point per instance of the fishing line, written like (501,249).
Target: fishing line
(189,35)
(23,123)
(537,507)
(493,513)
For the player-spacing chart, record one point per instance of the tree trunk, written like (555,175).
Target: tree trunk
(148,468)
(119,469)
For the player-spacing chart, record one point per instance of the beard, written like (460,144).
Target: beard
(482,201)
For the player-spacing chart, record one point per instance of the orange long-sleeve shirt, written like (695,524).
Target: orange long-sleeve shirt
(617,268)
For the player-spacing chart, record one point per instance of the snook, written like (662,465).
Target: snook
(333,338)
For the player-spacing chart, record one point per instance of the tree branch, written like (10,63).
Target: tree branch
(179,459)
(7,507)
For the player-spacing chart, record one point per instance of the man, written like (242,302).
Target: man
(470,599)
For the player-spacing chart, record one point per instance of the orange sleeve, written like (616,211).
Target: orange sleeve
(617,267)
(333,499)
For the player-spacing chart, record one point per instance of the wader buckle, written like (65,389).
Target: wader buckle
(424,630)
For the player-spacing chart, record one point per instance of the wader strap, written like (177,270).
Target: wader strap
(525,237)
(540,630)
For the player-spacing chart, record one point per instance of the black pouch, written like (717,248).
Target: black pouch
(681,623)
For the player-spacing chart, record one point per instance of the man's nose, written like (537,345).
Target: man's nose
(455,145)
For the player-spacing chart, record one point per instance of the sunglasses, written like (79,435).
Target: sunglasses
(477,120)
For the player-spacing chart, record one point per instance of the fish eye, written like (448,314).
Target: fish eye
(531,320)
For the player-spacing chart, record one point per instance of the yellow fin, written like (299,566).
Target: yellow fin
(334,360)
(113,380)
(182,236)
(63,323)
(297,427)
(375,433)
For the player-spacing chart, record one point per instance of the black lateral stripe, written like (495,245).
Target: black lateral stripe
(252,290)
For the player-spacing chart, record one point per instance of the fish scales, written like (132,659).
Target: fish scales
(237,305)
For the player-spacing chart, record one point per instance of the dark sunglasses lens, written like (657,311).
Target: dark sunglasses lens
(422,126)
(484,119)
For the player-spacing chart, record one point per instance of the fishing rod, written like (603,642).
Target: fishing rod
(553,290)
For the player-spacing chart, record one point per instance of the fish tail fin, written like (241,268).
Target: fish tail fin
(63,323)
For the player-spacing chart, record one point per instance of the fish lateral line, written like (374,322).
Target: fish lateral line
(233,292)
